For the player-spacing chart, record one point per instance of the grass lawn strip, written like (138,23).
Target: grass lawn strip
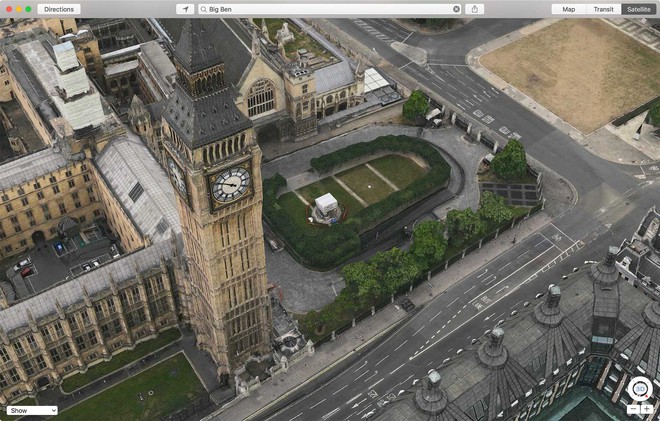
(294,207)
(398,169)
(174,385)
(359,179)
(120,360)
(328,185)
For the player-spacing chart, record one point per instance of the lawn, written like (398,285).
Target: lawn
(584,70)
(120,360)
(366,184)
(328,185)
(398,169)
(295,207)
(174,385)
(301,40)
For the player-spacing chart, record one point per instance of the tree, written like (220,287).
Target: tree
(653,117)
(429,243)
(511,162)
(464,224)
(396,268)
(417,105)
(363,277)
(494,208)
(435,23)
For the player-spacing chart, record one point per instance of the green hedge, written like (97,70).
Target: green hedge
(332,246)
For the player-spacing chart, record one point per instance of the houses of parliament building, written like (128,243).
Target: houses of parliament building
(185,211)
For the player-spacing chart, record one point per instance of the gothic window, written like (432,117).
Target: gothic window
(261,97)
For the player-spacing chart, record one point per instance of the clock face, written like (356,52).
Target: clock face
(231,184)
(177,177)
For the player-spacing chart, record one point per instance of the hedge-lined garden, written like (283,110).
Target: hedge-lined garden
(328,247)
(371,282)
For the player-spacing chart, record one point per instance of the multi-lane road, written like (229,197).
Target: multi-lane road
(611,201)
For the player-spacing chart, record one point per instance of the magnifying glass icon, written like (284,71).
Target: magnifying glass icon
(203,9)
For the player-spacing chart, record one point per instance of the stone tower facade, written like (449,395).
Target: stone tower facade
(214,164)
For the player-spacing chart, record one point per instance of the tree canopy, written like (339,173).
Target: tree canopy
(654,114)
(364,277)
(511,162)
(494,208)
(396,268)
(429,243)
(464,224)
(417,105)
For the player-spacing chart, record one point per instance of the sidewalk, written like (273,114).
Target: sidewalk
(367,332)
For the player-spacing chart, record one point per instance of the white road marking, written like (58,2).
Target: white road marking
(472,287)
(407,37)
(353,398)
(436,315)
(418,330)
(361,374)
(382,359)
(394,371)
(339,390)
(360,367)
(375,384)
(359,403)
(562,232)
(371,377)
(486,271)
(317,404)
(454,301)
(507,277)
(402,343)
(505,265)
(331,413)
(296,417)
(406,65)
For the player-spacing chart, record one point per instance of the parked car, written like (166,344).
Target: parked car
(96,263)
(23,263)
(86,266)
(26,272)
(114,252)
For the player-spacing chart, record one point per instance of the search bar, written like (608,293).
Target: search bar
(363,10)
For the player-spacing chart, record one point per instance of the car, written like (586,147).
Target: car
(86,266)
(26,272)
(415,382)
(486,332)
(539,295)
(368,414)
(446,360)
(459,351)
(96,263)
(526,304)
(474,341)
(564,277)
(500,323)
(114,253)
(575,269)
(23,263)
(401,392)
(514,312)
(550,286)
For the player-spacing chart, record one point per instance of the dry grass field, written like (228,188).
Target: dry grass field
(583,70)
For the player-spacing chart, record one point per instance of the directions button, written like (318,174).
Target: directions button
(638,9)
(58,9)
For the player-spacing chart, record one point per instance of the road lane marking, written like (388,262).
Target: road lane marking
(471,288)
(508,276)
(317,404)
(402,343)
(353,398)
(405,39)
(361,374)
(562,232)
(394,371)
(339,390)
(331,413)
(416,332)
(296,417)
(371,377)
(406,65)
(382,359)
(486,271)
(505,265)
(375,384)
(360,367)
(436,315)
(453,301)
(359,403)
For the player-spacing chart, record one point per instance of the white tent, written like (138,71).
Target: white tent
(326,203)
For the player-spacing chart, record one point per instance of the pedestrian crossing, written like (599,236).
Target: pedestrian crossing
(373,31)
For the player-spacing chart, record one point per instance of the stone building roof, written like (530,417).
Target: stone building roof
(542,343)
(217,39)
(335,76)
(29,167)
(140,185)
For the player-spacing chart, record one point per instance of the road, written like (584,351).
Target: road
(612,200)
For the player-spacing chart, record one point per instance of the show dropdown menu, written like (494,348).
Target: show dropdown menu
(32,410)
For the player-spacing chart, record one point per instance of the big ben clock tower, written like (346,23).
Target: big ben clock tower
(214,165)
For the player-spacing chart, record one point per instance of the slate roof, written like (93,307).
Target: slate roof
(29,167)
(206,119)
(227,39)
(127,163)
(335,76)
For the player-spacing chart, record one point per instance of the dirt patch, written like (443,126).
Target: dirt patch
(583,70)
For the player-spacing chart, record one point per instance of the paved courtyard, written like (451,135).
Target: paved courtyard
(305,290)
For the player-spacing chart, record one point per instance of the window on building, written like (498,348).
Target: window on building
(66,350)
(52,231)
(85,317)
(13,375)
(92,338)
(86,178)
(37,185)
(68,173)
(52,179)
(3,381)
(97,212)
(62,208)
(9,207)
(41,363)
(55,355)
(77,204)
(261,97)
(2,235)
(74,195)
(82,219)
(111,305)
(8,248)
(56,189)
(29,213)
(45,333)
(72,183)
(29,369)
(25,201)
(18,346)
(23,242)
(17,228)
(80,343)
(304,89)
(59,331)
(5,198)
(136,192)
(4,355)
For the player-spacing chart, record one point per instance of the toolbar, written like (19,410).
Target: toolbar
(322,8)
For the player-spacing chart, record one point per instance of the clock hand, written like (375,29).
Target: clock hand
(228,184)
